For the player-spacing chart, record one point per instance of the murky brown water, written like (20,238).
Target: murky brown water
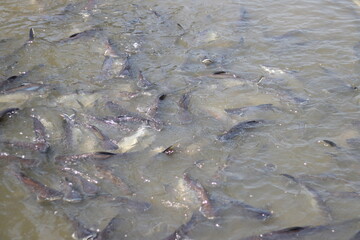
(308,53)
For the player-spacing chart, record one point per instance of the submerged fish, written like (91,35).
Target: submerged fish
(23,161)
(84,34)
(85,156)
(83,183)
(153,109)
(184,229)
(81,232)
(143,82)
(41,147)
(206,207)
(105,172)
(240,128)
(318,199)
(70,193)
(23,87)
(333,230)
(40,132)
(243,110)
(8,112)
(43,193)
(106,142)
(184,114)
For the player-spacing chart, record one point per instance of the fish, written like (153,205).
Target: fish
(184,114)
(143,82)
(37,146)
(23,87)
(223,74)
(68,124)
(40,132)
(115,65)
(330,143)
(333,230)
(86,185)
(153,109)
(319,201)
(43,193)
(124,115)
(184,229)
(106,142)
(169,150)
(243,110)
(107,231)
(353,142)
(90,33)
(23,161)
(206,207)
(71,195)
(357,235)
(245,209)
(8,112)
(12,80)
(240,128)
(81,232)
(105,172)
(132,205)
(85,156)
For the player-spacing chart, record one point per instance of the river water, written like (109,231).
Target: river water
(302,57)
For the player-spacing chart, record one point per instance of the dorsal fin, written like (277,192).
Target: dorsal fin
(31,35)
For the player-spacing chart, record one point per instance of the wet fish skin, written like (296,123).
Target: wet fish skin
(143,82)
(321,204)
(43,193)
(85,156)
(106,142)
(239,129)
(84,34)
(243,110)
(23,161)
(287,233)
(8,112)
(81,232)
(108,174)
(184,113)
(38,146)
(39,130)
(23,87)
(86,187)
(71,195)
(128,203)
(152,111)
(249,210)
(107,231)
(206,207)
(356,236)
(184,229)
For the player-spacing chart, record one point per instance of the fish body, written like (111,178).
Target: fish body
(8,112)
(85,156)
(143,82)
(184,113)
(206,207)
(240,128)
(243,110)
(184,229)
(43,193)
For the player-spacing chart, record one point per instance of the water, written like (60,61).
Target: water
(307,51)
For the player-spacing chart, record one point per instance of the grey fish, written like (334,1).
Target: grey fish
(40,131)
(84,34)
(206,207)
(68,124)
(105,172)
(12,80)
(43,193)
(245,209)
(132,205)
(184,113)
(85,156)
(243,110)
(23,161)
(70,193)
(81,232)
(302,232)
(124,115)
(321,204)
(88,188)
(153,109)
(108,230)
(223,74)
(37,146)
(115,64)
(106,142)
(184,229)
(143,82)
(8,112)
(240,128)
(353,142)
(356,236)
(23,87)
